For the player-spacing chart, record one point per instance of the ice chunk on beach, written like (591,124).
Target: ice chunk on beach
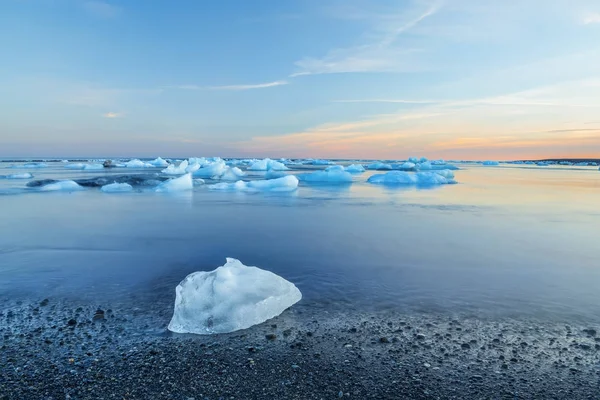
(25,175)
(117,188)
(176,170)
(230,298)
(355,168)
(491,163)
(180,184)
(285,184)
(379,166)
(333,174)
(138,164)
(159,163)
(267,165)
(65,186)
(441,177)
(232,174)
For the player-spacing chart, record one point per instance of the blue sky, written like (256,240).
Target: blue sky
(348,78)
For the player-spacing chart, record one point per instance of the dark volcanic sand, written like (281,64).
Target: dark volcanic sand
(360,356)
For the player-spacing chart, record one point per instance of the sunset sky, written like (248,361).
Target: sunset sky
(377,79)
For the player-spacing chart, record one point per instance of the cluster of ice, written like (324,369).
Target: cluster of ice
(180,184)
(333,174)
(138,164)
(230,298)
(267,165)
(210,170)
(117,188)
(65,186)
(440,177)
(287,183)
(355,168)
(25,175)
(491,163)
(159,163)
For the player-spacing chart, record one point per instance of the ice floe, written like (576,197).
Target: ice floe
(177,170)
(232,174)
(159,163)
(25,175)
(230,298)
(491,163)
(135,163)
(211,169)
(180,184)
(441,177)
(117,188)
(285,184)
(333,174)
(355,168)
(379,166)
(267,165)
(65,186)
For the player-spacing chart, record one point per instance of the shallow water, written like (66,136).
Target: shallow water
(505,241)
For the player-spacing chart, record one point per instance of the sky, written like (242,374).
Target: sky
(373,79)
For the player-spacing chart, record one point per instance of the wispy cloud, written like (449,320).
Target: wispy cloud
(380,53)
(101,9)
(231,87)
(591,18)
(113,115)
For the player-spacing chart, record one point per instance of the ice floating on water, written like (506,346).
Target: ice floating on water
(117,188)
(333,174)
(267,165)
(441,177)
(180,184)
(25,175)
(176,170)
(274,174)
(211,170)
(285,184)
(379,166)
(159,163)
(66,186)
(355,168)
(322,162)
(230,298)
(232,174)
(491,162)
(87,167)
(32,165)
(138,164)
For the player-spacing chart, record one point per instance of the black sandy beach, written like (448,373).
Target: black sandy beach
(50,350)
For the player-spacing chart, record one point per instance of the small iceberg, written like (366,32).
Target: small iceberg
(176,170)
(287,183)
(61,186)
(333,174)
(181,184)
(211,170)
(441,177)
(322,162)
(490,163)
(159,163)
(230,298)
(117,188)
(138,164)
(232,174)
(379,166)
(274,174)
(267,165)
(355,169)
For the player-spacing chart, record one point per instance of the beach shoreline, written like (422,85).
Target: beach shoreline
(50,351)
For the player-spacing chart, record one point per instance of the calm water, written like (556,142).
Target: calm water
(505,241)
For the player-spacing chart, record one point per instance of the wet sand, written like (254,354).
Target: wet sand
(50,350)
